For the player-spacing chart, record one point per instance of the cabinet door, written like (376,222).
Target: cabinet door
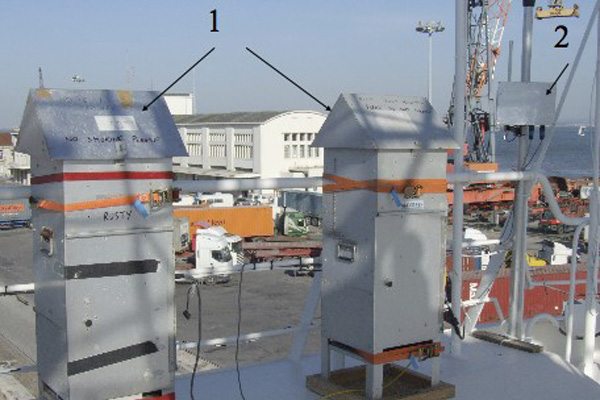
(409,272)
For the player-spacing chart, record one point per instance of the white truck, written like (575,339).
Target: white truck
(555,253)
(216,253)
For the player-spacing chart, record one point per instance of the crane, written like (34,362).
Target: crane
(487,20)
(556,9)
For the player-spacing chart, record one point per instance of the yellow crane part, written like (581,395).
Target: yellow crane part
(557,10)
(535,262)
(531,260)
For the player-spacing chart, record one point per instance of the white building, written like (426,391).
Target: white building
(13,165)
(180,103)
(6,147)
(20,167)
(268,144)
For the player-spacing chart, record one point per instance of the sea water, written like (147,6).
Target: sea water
(569,154)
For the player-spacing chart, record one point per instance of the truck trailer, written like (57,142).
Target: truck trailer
(246,222)
(14,214)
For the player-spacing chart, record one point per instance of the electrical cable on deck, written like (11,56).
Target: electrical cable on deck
(239,329)
(195,286)
(331,395)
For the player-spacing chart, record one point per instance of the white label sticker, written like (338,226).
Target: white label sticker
(116,123)
(412,204)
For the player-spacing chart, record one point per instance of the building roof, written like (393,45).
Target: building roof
(257,117)
(5,139)
(215,173)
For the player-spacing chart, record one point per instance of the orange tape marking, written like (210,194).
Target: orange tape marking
(94,204)
(403,353)
(384,185)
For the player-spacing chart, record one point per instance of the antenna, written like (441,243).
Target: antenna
(41,78)
(129,72)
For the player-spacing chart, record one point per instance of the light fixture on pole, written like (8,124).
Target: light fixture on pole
(430,28)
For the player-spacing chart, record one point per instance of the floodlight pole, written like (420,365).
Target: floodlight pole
(430,28)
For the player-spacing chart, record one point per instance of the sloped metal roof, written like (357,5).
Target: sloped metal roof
(258,117)
(384,122)
(98,125)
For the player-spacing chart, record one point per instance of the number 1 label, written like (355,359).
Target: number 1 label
(214,21)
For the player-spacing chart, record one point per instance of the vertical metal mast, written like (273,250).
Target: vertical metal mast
(519,262)
(592,263)
(460,66)
(430,68)
(510,59)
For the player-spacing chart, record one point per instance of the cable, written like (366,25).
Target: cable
(239,331)
(186,314)
(340,392)
(539,146)
(450,318)
(387,385)
(529,145)
(405,370)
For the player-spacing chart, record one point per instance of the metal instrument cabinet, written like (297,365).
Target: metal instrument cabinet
(384,222)
(103,257)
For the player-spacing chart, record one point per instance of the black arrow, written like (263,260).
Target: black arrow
(177,80)
(556,81)
(291,81)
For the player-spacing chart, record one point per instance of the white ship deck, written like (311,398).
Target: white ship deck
(484,371)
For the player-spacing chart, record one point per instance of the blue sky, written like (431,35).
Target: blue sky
(328,47)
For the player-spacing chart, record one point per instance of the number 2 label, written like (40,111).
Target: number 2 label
(560,44)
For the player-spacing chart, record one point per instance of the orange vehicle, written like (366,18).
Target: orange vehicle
(246,222)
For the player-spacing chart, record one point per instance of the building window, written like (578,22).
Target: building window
(286,151)
(302,155)
(294,151)
(316,152)
(310,152)
(294,137)
(286,137)
(302,137)
(309,137)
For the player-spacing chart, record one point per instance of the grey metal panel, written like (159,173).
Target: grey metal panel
(51,341)
(410,258)
(97,125)
(347,288)
(124,310)
(383,122)
(520,103)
